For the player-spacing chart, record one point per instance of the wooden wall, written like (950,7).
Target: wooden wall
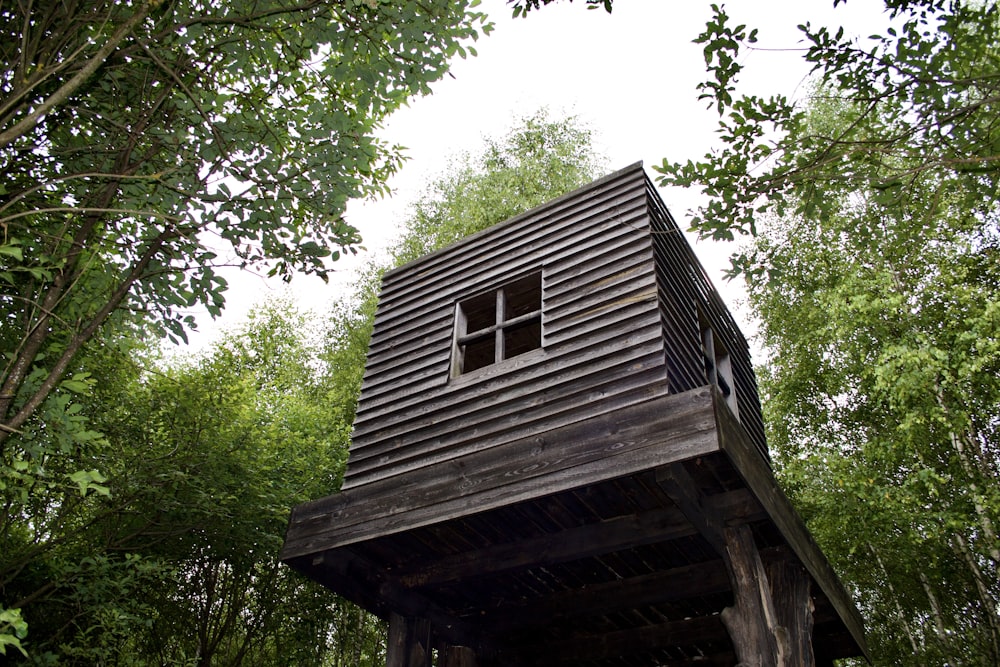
(602,346)
(618,326)
(684,291)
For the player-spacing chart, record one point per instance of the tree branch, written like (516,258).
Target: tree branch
(62,94)
(55,374)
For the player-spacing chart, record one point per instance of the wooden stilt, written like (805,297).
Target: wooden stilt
(458,656)
(794,607)
(751,621)
(408,644)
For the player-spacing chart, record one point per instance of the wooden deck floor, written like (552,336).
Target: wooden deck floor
(594,544)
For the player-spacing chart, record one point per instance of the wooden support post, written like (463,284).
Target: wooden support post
(409,643)
(770,622)
(751,621)
(794,608)
(458,656)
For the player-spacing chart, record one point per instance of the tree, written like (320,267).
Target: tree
(923,99)
(875,280)
(882,392)
(874,275)
(177,562)
(144,143)
(537,160)
(154,538)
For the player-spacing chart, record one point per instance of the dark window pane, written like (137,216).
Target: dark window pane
(479,353)
(480,312)
(522,338)
(523,297)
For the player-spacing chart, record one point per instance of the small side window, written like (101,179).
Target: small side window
(498,325)
(718,366)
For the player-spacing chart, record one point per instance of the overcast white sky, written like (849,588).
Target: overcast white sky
(629,75)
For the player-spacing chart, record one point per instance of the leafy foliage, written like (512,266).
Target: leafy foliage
(178,562)
(168,555)
(883,397)
(874,274)
(522,7)
(921,98)
(12,630)
(143,144)
(537,160)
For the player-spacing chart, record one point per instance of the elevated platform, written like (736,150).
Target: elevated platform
(616,540)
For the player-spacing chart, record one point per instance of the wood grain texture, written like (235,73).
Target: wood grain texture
(602,339)
(685,290)
(574,504)
(621,297)
(751,619)
(638,437)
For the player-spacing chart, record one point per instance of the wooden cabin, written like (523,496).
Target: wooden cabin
(559,458)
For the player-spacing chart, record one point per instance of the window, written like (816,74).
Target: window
(718,366)
(498,325)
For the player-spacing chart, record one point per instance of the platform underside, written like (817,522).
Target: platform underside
(602,545)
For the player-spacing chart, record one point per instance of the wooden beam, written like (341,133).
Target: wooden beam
(458,656)
(675,480)
(751,621)
(660,525)
(634,439)
(793,606)
(591,540)
(598,599)
(680,583)
(364,584)
(409,642)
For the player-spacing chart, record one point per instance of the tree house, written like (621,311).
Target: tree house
(559,458)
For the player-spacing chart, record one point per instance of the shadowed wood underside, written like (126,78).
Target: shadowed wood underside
(598,544)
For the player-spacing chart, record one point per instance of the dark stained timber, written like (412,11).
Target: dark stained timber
(544,470)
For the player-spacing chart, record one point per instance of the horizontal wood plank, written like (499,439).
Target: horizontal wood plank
(639,384)
(640,437)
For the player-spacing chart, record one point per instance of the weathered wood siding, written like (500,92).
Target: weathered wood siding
(684,290)
(621,293)
(602,339)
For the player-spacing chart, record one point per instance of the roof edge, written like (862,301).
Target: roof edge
(552,203)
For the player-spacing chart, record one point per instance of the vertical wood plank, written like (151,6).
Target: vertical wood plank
(408,644)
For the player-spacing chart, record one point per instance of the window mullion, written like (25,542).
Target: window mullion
(501,353)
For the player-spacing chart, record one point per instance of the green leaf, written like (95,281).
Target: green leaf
(89,480)
(13,629)
(80,383)
(10,250)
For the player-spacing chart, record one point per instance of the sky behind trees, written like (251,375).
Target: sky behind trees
(630,76)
